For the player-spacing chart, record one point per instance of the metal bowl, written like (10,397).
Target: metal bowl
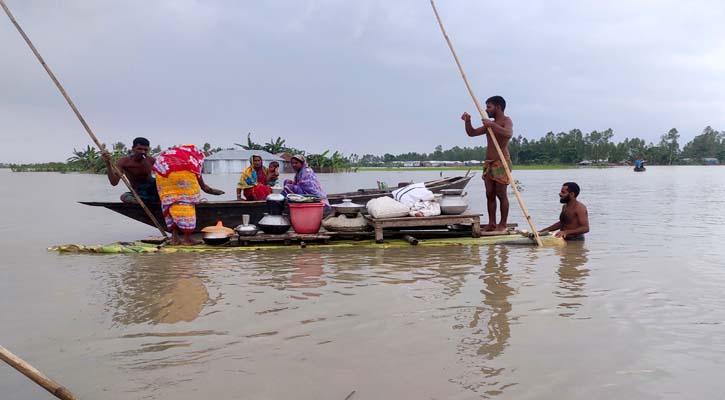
(348,208)
(274,224)
(215,238)
(246,230)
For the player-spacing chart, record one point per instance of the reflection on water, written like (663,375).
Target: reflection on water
(572,274)
(630,313)
(159,290)
(485,333)
(311,297)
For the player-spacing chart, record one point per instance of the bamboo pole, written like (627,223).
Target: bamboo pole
(36,376)
(490,131)
(80,117)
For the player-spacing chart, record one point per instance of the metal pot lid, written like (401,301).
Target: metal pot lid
(246,228)
(347,203)
(269,220)
(275,197)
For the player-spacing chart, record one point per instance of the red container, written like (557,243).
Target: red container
(306,217)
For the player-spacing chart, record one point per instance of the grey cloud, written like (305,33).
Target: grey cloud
(363,76)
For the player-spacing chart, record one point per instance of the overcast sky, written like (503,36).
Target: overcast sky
(357,76)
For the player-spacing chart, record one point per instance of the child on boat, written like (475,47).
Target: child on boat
(273,175)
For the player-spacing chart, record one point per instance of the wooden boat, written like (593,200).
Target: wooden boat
(230,212)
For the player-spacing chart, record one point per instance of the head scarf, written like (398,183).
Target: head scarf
(300,159)
(306,182)
(250,176)
(251,159)
(181,158)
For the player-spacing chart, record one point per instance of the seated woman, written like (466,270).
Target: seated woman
(306,182)
(253,182)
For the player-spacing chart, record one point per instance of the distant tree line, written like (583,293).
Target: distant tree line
(566,148)
(575,146)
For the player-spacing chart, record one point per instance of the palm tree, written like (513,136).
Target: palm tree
(250,144)
(317,160)
(275,146)
(87,160)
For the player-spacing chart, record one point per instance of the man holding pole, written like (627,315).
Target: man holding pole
(494,170)
(137,168)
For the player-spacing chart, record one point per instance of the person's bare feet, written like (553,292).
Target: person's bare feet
(175,238)
(501,228)
(189,241)
(489,228)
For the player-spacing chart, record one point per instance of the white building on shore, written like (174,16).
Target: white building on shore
(235,161)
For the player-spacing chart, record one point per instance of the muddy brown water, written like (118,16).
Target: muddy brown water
(635,311)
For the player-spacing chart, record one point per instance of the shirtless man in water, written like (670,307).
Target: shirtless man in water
(574,219)
(137,168)
(494,172)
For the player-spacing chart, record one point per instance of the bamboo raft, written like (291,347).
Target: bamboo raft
(329,240)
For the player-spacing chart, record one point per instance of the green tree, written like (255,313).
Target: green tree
(119,147)
(710,143)
(275,146)
(670,146)
(250,144)
(87,160)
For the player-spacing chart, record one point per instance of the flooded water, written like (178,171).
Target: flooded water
(636,311)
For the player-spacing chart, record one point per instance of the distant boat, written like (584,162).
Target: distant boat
(230,212)
(639,165)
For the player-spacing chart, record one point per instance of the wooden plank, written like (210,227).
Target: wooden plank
(432,218)
(286,238)
(476,231)
(379,224)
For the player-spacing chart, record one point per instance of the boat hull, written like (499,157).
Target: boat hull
(230,212)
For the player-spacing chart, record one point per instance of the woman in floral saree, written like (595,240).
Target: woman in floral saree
(179,182)
(306,182)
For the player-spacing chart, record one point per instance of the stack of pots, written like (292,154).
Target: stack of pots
(453,201)
(274,222)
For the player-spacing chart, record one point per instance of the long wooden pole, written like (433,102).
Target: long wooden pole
(36,376)
(490,131)
(80,117)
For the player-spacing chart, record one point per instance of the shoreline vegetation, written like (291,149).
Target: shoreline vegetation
(475,168)
(552,151)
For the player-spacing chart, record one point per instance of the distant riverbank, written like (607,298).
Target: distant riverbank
(472,168)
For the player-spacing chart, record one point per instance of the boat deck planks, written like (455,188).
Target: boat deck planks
(285,238)
(379,224)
